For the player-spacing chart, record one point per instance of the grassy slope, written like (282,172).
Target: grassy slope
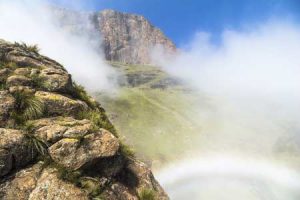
(153,119)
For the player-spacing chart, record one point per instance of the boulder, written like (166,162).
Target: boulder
(56,104)
(56,128)
(18,80)
(145,179)
(15,151)
(77,153)
(50,186)
(56,80)
(21,184)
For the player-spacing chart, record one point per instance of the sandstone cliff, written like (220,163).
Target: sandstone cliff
(55,141)
(126,38)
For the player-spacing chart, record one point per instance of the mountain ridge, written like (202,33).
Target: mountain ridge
(127,38)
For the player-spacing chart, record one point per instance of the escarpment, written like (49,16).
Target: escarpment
(55,141)
(126,38)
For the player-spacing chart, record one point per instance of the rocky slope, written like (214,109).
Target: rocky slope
(126,38)
(55,141)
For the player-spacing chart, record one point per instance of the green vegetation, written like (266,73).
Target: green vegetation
(81,94)
(32,48)
(126,150)
(27,107)
(147,194)
(160,123)
(99,119)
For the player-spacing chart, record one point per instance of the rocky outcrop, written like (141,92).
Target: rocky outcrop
(129,38)
(55,141)
(126,38)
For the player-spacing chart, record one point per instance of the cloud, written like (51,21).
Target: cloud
(252,82)
(33,22)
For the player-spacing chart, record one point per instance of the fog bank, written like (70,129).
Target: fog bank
(34,22)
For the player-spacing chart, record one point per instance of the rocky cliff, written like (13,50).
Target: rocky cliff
(126,38)
(55,141)
(129,38)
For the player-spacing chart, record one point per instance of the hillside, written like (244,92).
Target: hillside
(55,141)
(152,109)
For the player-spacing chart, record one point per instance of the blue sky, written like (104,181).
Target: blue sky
(181,19)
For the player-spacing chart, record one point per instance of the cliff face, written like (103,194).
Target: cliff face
(55,141)
(126,38)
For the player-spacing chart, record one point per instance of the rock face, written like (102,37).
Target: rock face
(129,38)
(126,38)
(55,141)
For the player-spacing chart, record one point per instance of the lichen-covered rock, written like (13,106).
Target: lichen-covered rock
(56,128)
(18,80)
(57,104)
(21,184)
(22,71)
(119,191)
(56,80)
(7,103)
(75,153)
(50,186)
(15,151)
(145,179)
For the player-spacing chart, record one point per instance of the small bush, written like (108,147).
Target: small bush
(37,81)
(126,150)
(98,119)
(37,144)
(147,194)
(81,94)
(68,175)
(27,107)
(32,48)
(91,186)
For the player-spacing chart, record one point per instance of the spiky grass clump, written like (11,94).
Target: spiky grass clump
(126,150)
(27,107)
(99,119)
(147,194)
(81,94)
(32,48)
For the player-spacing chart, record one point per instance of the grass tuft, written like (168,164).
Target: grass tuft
(147,194)
(82,95)
(27,107)
(126,150)
(99,119)
(32,48)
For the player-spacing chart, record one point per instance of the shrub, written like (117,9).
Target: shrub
(99,119)
(126,150)
(37,144)
(32,48)
(27,107)
(146,194)
(81,94)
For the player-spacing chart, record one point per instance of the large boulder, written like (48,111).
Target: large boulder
(18,80)
(56,80)
(56,104)
(21,184)
(53,129)
(76,153)
(50,186)
(15,150)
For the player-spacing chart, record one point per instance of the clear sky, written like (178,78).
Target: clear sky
(181,19)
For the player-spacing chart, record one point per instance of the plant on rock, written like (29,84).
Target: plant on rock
(27,107)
